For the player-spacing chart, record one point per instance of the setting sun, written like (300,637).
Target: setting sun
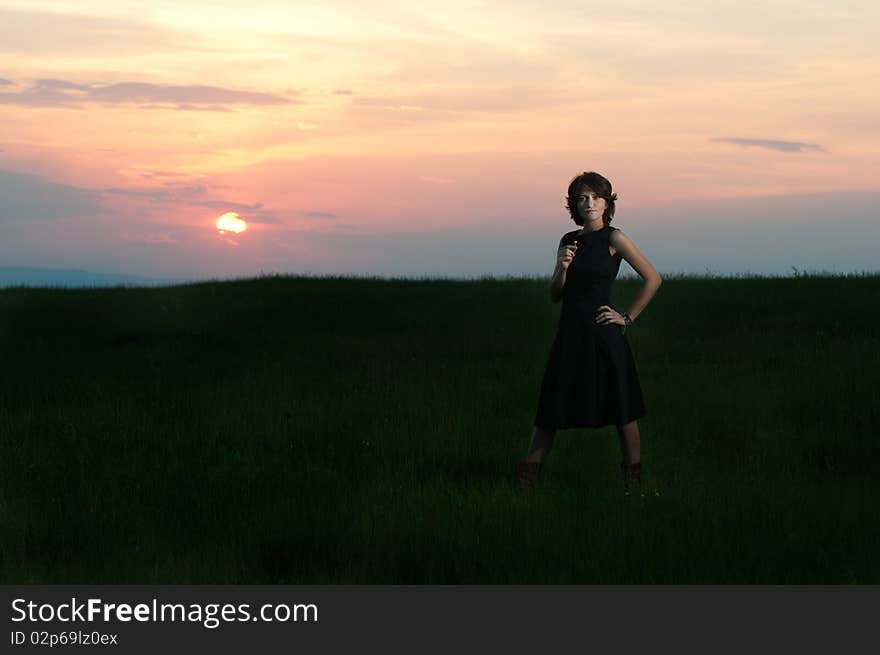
(230,222)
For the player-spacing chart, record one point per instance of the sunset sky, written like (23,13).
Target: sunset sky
(406,138)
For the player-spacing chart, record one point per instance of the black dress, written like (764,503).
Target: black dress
(590,379)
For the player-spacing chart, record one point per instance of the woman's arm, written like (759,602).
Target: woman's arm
(557,282)
(642,266)
(564,255)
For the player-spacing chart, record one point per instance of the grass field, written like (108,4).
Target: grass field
(343,430)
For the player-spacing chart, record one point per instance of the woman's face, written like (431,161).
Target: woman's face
(590,206)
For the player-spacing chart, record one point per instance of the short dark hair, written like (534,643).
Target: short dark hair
(598,184)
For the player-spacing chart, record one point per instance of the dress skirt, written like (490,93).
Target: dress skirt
(590,379)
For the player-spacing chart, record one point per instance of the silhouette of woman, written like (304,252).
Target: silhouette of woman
(590,379)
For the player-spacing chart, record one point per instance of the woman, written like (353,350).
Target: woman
(590,379)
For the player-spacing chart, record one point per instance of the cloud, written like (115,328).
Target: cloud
(174,194)
(230,206)
(486,99)
(477,68)
(466,76)
(211,95)
(781,146)
(60,85)
(146,237)
(30,197)
(186,108)
(2,81)
(155,174)
(42,33)
(434,179)
(62,93)
(252,213)
(321,215)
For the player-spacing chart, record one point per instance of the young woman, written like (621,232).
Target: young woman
(590,379)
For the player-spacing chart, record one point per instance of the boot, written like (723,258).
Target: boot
(527,475)
(632,473)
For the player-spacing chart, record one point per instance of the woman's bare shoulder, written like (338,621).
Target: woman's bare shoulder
(625,247)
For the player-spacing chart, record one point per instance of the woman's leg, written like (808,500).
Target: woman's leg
(542,442)
(630,446)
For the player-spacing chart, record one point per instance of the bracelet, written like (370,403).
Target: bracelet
(627,321)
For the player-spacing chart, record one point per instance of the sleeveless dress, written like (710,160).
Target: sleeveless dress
(590,379)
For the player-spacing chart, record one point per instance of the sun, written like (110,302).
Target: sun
(230,222)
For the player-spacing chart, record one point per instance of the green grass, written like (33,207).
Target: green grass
(343,430)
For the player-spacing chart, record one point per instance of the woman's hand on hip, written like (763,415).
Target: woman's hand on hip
(606,314)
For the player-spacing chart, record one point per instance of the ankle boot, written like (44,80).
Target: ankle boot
(527,475)
(632,473)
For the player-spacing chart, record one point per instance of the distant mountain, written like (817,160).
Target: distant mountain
(72,277)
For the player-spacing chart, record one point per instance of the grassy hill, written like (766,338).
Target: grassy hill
(343,430)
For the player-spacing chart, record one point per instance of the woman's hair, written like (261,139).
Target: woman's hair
(598,184)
